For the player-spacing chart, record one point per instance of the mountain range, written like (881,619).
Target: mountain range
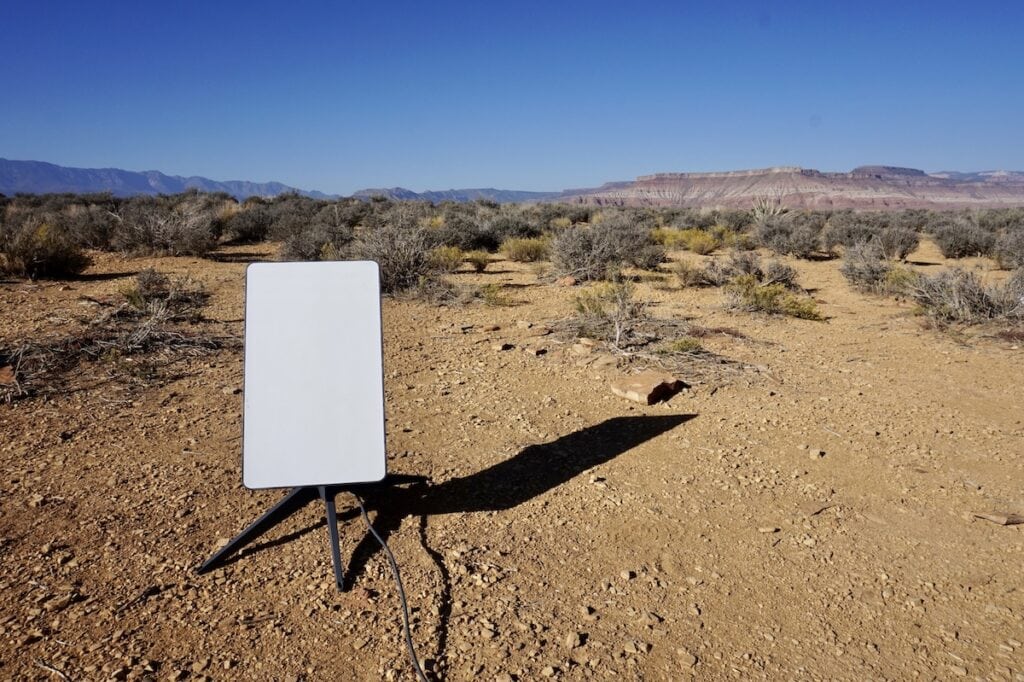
(38,177)
(865,187)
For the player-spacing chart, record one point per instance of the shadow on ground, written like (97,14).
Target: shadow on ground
(533,471)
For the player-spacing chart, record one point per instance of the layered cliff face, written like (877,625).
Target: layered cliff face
(867,187)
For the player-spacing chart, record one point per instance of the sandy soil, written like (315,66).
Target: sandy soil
(567,533)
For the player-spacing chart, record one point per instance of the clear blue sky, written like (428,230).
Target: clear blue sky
(337,96)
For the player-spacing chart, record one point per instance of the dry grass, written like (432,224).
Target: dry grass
(130,341)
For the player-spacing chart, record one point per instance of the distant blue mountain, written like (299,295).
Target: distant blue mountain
(38,177)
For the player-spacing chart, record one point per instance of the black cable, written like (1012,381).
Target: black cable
(401,590)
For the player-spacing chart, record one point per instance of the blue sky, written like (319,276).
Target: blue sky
(338,96)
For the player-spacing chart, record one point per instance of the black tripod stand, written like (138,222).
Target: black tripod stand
(292,502)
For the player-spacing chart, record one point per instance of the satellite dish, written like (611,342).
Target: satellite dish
(314,375)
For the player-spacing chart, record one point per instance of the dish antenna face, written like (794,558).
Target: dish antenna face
(314,375)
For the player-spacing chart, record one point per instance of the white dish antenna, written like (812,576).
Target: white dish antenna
(314,376)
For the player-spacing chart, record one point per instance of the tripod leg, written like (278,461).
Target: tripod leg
(327,495)
(291,502)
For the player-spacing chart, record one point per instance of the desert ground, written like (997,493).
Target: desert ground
(805,512)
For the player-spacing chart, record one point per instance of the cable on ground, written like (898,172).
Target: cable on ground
(401,590)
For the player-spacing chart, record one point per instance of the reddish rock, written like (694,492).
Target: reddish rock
(647,387)
(566,281)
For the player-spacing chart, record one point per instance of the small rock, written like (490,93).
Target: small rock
(647,387)
(492,328)
(502,347)
(534,351)
(627,575)
(687,659)
(7,376)
(231,390)
(523,324)
(768,529)
(503,677)
(566,281)
(581,349)
(548,671)
(573,640)
(816,454)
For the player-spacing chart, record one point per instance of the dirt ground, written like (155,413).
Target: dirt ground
(567,533)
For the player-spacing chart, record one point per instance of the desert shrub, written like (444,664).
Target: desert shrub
(864,266)
(911,218)
(692,219)
(744,263)
(747,293)
(692,239)
(847,229)
(401,250)
(690,275)
(249,225)
(37,249)
(317,242)
(153,292)
(344,213)
(511,225)
(670,237)
(88,224)
(735,220)
(785,235)
(290,214)
(459,227)
(899,280)
(645,256)
(715,273)
(957,295)
(963,238)
(777,272)
(767,208)
(478,259)
(720,272)
(699,241)
(609,312)
(1009,249)
(494,295)
(734,239)
(597,252)
(161,226)
(525,250)
(446,258)
(1001,219)
(897,243)
(685,345)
